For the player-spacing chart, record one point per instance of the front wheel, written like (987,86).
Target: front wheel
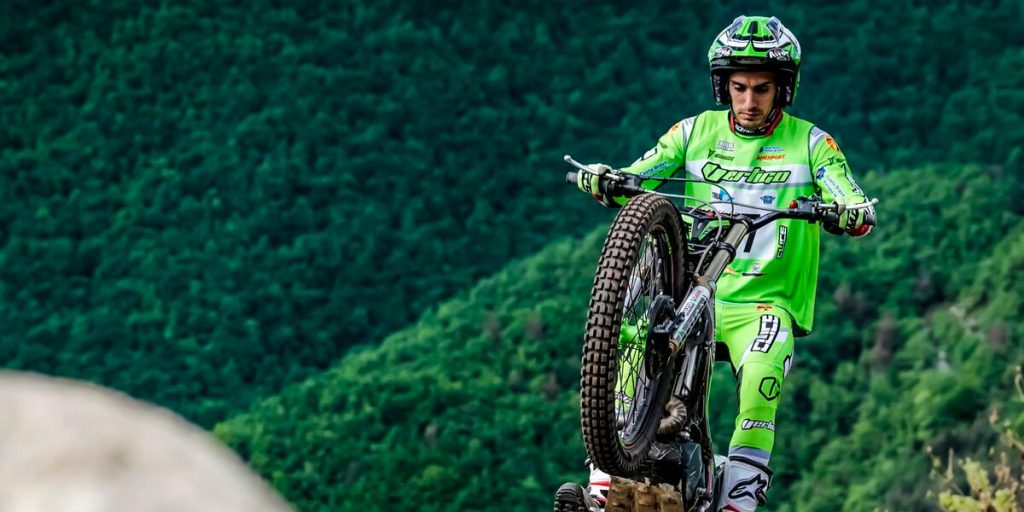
(625,381)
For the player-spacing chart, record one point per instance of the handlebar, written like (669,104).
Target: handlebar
(611,183)
(805,208)
(615,184)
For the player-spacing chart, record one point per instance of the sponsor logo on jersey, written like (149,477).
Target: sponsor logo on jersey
(654,170)
(833,187)
(763,157)
(725,145)
(721,195)
(752,424)
(832,144)
(715,154)
(771,149)
(716,173)
(768,199)
(782,242)
(755,269)
(764,307)
(820,174)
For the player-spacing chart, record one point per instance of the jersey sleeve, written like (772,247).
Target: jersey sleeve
(830,170)
(664,159)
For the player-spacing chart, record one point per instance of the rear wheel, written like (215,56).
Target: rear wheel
(569,498)
(626,380)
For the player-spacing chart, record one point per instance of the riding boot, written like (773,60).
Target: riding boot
(744,485)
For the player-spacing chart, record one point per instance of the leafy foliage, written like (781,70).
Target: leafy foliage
(1004,492)
(992,305)
(921,374)
(853,428)
(480,395)
(204,203)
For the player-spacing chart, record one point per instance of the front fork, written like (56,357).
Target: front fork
(697,350)
(690,336)
(694,376)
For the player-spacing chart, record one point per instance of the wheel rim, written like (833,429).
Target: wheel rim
(635,388)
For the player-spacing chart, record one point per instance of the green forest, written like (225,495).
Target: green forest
(337,235)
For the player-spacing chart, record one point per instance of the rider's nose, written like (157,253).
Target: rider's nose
(744,99)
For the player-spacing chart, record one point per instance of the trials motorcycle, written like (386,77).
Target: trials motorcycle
(650,345)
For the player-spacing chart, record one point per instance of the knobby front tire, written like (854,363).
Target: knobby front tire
(624,385)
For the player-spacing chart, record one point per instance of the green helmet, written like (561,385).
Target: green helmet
(755,43)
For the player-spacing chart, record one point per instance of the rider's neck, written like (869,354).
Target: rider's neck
(766,128)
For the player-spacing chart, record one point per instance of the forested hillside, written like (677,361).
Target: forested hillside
(205,204)
(911,356)
(201,202)
(476,405)
(910,351)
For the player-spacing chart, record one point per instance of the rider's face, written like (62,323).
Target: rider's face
(752,94)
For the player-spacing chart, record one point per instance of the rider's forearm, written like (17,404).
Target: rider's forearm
(832,172)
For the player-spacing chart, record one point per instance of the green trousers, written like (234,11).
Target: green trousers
(760,342)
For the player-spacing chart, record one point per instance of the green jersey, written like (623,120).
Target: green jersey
(777,264)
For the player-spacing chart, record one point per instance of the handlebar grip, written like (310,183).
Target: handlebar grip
(570,177)
(869,218)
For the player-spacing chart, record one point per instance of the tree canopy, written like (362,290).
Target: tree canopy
(206,204)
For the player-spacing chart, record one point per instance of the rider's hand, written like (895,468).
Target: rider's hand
(852,221)
(590,182)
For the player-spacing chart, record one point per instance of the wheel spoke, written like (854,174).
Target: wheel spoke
(634,385)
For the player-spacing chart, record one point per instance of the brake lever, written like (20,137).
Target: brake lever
(611,175)
(860,206)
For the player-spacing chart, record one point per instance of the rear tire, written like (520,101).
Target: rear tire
(569,498)
(625,384)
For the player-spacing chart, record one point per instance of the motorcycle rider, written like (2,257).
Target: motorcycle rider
(754,152)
